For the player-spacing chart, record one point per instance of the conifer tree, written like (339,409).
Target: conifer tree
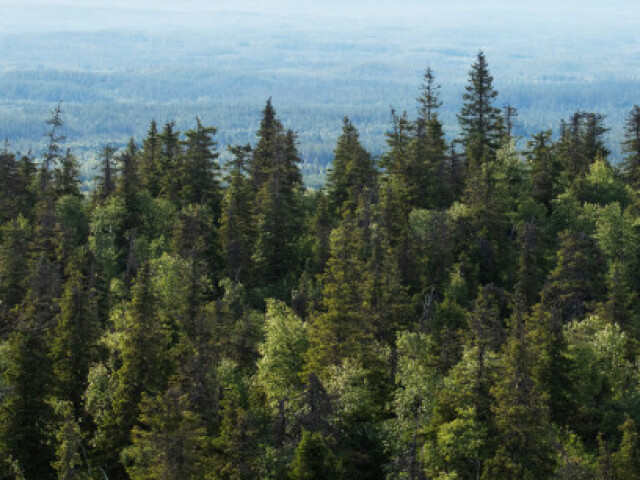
(544,170)
(144,370)
(170,442)
(201,183)
(106,181)
(352,173)
(313,459)
(16,177)
(14,253)
(54,150)
(170,163)
(322,225)
(428,176)
(479,119)
(129,191)
(521,412)
(631,146)
(74,346)
(594,131)
(67,175)
(25,412)
(342,330)
(276,214)
(151,160)
(265,151)
(577,282)
(397,161)
(626,461)
(235,224)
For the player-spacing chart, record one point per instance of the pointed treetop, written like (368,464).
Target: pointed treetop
(429,99)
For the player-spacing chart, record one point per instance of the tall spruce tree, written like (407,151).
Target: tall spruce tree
(235,223)
(275,210)
(631,146)
(479,119)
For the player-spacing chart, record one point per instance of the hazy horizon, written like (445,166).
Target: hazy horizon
(129,61)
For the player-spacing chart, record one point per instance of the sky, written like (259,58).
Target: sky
(585,15)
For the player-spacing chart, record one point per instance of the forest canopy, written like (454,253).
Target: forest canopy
(447,309)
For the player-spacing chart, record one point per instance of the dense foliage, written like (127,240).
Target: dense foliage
(446,311)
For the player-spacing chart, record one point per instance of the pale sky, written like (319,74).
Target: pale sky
(39,15)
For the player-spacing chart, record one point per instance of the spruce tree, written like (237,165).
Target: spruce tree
(275,214)
(313,459)
(352,173)
(235,223)
(106,180)
(521,410)
(265,151)
(144,369)
(428,176)
(151,160)
(74,347)
(479,119)
(343,329)
(544,169)
(201,182)
(631,146)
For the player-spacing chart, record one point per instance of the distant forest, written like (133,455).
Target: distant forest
(462,305)
(112,83)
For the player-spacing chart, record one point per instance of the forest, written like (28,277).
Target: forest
(463,309)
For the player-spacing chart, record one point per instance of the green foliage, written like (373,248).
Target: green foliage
(352,173)
(170,443)
(313,460)
(282,353)
(433,315)
(478,118)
